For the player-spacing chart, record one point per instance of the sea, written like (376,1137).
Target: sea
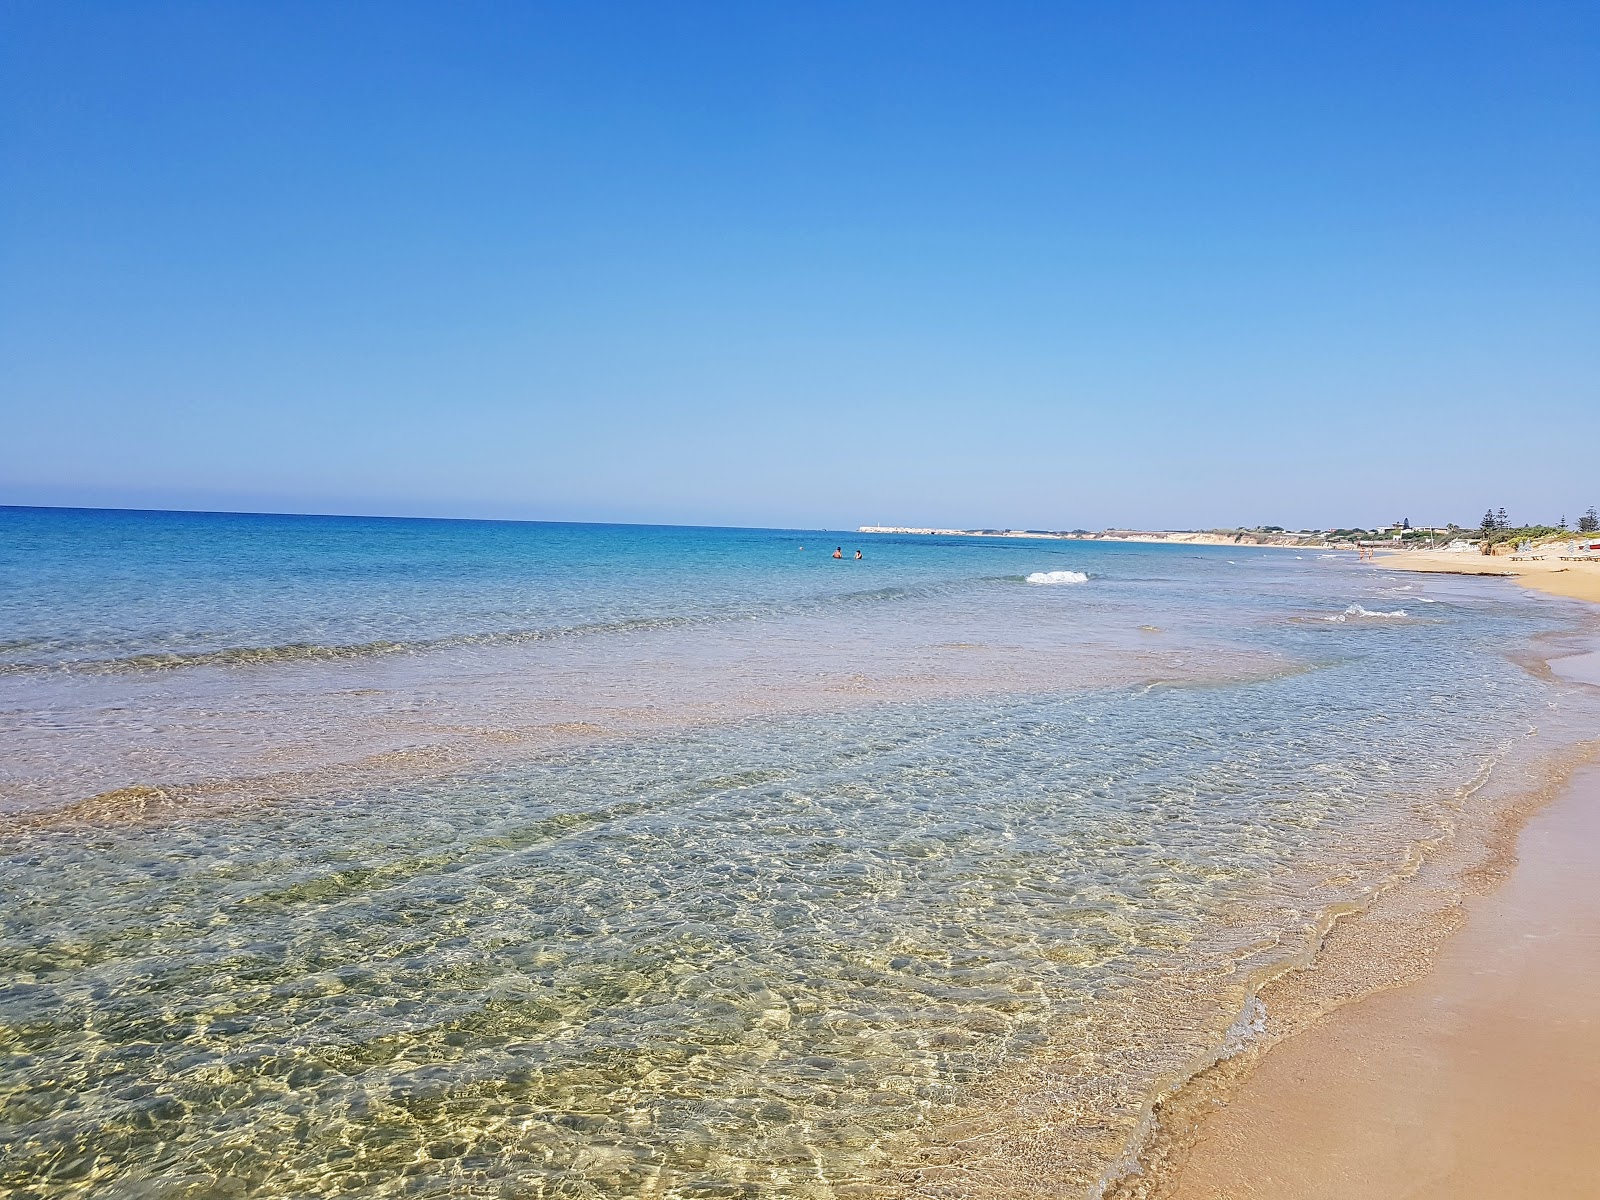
(388,857)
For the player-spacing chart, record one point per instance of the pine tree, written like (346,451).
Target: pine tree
(1589,522)
(1487,525)
(1562,524)
(1502,521)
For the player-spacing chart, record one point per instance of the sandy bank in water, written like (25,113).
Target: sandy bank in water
(121,739)
(1480,1079)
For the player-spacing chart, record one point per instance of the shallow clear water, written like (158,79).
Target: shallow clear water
(94,587)
(756,952)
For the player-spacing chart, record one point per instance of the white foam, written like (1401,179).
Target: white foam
(1058,577)
(1356,612)
(1252,1023)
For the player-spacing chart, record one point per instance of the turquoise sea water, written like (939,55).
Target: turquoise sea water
(554,860)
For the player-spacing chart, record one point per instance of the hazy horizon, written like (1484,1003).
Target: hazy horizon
(850,528)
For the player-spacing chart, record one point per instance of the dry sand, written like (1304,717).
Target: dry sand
(1579,580)
(1481,1079)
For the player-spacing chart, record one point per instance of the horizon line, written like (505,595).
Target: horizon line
(242,512)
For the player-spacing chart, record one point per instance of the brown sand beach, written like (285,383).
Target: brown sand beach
(1480,1079)
(1476,1072)
(1545,573)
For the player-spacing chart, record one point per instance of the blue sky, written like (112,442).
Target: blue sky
(1047,265)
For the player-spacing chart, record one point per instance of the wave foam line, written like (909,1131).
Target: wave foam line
(1356,612)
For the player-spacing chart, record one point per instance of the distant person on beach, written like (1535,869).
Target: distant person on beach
(858,556)
(838,551)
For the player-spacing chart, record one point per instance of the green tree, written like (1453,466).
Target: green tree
(1589,522)
(1487,526)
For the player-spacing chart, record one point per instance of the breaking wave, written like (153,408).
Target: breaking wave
(1356,613)
(1058,577)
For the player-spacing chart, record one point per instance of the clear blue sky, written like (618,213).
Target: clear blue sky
(1047,265)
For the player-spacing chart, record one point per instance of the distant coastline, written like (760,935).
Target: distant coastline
(1281,539)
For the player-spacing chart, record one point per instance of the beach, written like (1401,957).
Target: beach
(434,857)
(1173,537)
(1546,573)
(1482,1078)
(1468,1062)
(799,602)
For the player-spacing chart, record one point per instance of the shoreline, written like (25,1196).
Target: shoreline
(1206,1139)
(1388,941)
(1473,1078)
(1574,580)
(976,991)
(999,1146)
(1289,1118)
(1170,537)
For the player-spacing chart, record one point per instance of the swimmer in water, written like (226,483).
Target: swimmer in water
(838,552)
(858,556)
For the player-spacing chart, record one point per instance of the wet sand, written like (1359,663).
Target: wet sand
(1479,1079)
